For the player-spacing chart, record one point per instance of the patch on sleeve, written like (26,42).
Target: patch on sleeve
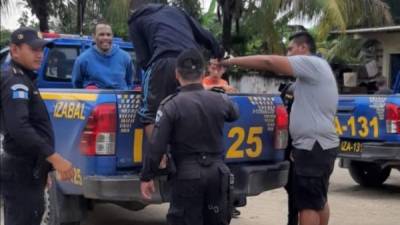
(20,91)
(159,115)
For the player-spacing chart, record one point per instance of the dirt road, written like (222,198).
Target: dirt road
(350,205)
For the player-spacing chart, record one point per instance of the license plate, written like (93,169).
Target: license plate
(351,147)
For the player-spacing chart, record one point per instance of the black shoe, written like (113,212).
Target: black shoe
(235,213)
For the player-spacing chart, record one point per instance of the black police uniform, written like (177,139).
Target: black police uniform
(191,122)
(28,141)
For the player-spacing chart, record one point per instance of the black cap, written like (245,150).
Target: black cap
(29,36)
(190,60)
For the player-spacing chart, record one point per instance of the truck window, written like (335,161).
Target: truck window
(60,63)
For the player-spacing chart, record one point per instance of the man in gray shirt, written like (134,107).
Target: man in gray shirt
(315,142)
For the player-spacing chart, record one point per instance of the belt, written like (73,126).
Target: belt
(204,158)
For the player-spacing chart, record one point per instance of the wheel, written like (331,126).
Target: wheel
(368,174)
(51,214)
(56,202)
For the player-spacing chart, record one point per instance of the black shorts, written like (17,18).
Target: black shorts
(312,170)
(159,81)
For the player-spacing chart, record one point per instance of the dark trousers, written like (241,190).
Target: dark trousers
(293,213)
(23,204)
(22,188)
(289,187)
(199,195)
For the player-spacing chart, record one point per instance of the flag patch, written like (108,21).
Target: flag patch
(20,91)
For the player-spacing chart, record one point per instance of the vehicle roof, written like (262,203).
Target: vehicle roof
(66,39)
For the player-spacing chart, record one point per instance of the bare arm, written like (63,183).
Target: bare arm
(277,64)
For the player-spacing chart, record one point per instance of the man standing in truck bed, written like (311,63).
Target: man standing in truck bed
(160,33)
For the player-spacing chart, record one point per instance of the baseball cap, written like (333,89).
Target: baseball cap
(190,60)
(30,37)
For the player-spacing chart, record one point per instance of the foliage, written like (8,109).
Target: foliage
(244,26)
(25,21)
(4,37)
(191,6)
(343,49)
(343,14)
(210,21)
(263,25)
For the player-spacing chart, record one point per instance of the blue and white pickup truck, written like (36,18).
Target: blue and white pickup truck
(98,132)
(369,129)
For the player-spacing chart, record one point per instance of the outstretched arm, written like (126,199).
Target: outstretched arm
(277,64)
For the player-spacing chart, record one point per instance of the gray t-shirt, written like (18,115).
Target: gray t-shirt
(315,103)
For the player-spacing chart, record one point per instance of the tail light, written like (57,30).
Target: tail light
(392,115)
(98,137)
(51,35)
(281,134)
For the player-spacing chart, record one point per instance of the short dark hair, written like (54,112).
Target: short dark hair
(190,65)
(303,37)
(103,22)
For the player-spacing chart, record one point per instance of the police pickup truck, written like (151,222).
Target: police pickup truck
(98,131)
(369,129)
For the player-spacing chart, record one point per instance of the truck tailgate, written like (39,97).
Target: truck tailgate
(250,138)
(360,119)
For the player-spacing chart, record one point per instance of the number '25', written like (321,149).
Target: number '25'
(253,137)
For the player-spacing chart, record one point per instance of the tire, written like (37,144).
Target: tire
(54,200)
(368,174)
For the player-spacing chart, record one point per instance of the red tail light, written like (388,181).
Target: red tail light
(51,35)
(281,128)
(98,137)
(392,116)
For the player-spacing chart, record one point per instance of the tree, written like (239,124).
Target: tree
(331,15)
(192,7)
(230,10)
(4,37)
(41,9)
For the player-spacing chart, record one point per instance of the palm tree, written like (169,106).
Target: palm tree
(330,14)
(230,10)
(343,14)
(41,9)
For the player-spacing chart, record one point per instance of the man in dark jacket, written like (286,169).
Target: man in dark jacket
(159,33)
(200,188)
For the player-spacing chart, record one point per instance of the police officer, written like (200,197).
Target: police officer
(28,135)
(191,122)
